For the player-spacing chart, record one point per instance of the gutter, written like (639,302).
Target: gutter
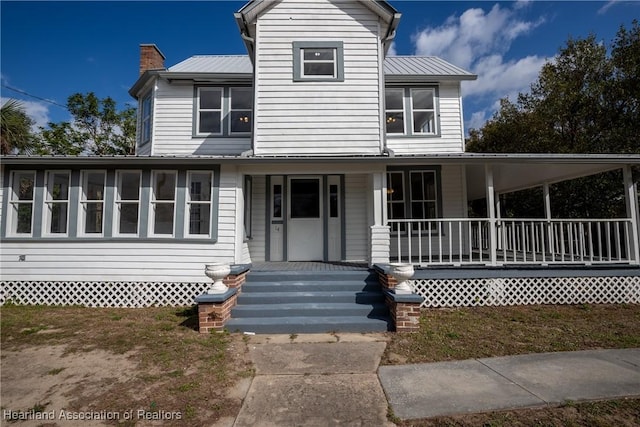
(249,42)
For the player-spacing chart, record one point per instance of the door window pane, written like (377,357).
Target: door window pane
(305,198)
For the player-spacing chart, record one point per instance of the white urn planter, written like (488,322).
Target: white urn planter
(217,272)
(402,273)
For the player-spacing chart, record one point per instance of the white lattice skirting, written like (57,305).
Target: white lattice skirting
(101,294)
(525,291)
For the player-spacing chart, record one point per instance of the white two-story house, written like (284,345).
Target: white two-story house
(314,145)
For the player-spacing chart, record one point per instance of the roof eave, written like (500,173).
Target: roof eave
(428,78)
(142,82)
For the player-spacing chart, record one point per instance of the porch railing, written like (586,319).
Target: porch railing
(462,241)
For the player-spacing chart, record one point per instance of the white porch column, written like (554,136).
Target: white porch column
(491,211)
(547,214)
(631,199)
(380,236)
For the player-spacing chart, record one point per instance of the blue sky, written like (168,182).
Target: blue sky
(53,49)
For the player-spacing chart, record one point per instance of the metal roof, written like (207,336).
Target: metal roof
(400,66)
(224,64)
(423,66)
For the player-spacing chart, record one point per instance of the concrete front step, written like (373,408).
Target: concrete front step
(308,324)
(310,286)
(365,297)
(311,309)
(310,302)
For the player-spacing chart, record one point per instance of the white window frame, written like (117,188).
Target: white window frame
(49,201)
(408,111)
(15,202)
(189,203)
(198,110)
(146,112)
(153,203)
(421,110)
(83,202)
(118,201)
(333,62)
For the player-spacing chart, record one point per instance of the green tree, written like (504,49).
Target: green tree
(587,100)
(97,128)
(15,132)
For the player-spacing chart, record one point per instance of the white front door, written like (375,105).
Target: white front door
(305,241)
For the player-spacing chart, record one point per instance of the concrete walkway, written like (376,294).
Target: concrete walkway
(334,379)
(481,385)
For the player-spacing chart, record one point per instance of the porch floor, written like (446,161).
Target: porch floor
(309,266)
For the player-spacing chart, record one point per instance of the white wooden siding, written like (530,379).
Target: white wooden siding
(317,117)
(356,222)
(257,244)
(109,261)
(173,126)
(451,139)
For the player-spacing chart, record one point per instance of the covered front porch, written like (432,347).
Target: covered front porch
(495,241)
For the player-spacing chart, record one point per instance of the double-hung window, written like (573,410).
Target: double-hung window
(145,120)
(209,111)
(411,111)
(21,202)
(92,202)
(241,110)
(56,202)
(127,200)
(163,202)
(317,61)
(394,99)
(413,194)
(199,203)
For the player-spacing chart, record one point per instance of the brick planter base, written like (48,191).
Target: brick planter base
(214,310)
(404,308)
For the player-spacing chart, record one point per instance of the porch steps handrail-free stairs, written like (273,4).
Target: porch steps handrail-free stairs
(291,302)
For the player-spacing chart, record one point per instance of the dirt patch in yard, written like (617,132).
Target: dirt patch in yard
(118,366)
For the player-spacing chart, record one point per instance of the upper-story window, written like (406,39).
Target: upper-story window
(318,61)
(209,117)
(145,120)
(223,111)
(411,111)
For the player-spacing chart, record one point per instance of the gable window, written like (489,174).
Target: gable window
(21,202)
(209,111)
(411,111)
(163,202)
(127,202)
(318,61)
(199,203)
(92,202)
(145,120)
(56,202)
(413,194)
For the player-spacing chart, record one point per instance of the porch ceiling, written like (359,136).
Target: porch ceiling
(515,176)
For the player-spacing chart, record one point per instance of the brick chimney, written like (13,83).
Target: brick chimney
(150,58)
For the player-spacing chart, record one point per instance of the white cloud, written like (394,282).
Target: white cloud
(478,41)
(606,7)
(37,111)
